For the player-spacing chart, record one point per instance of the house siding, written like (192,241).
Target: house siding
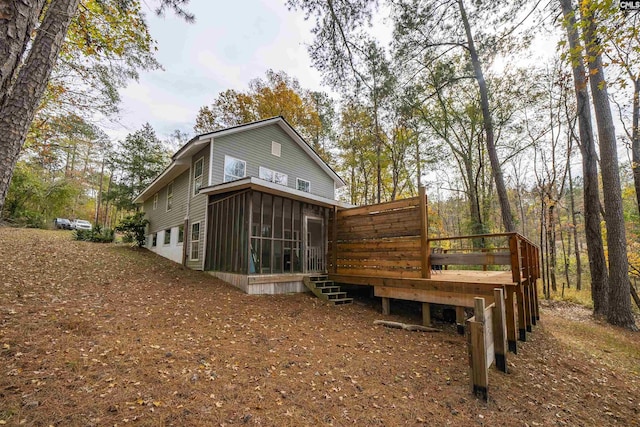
(198,208)
(254,147)
(160,219)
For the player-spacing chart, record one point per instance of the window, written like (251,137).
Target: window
(180,234)
(195,241)
(169,196)
(167,236)
(198,168)
(155,201)
(154,240)
(273,176)
(234,168)
(276,148)
(303,185)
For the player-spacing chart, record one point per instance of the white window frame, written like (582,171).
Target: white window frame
(178,241)
(197,179)
(262,173)
(154,240)
(164,238)
(233,177)
(299,180)
(192,241)
(276,148)
(169,196)
(155,201)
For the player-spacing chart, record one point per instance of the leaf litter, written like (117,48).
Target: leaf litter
(94,335)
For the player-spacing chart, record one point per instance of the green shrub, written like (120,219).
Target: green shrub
(134,227)
(97,235)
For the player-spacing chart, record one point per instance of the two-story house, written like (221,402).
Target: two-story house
(249,203)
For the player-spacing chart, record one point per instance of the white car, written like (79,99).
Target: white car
(81,224)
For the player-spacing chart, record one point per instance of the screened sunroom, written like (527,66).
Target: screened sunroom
(263,237)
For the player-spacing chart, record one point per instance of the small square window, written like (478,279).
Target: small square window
(276,148)
(303,185)
(167,236)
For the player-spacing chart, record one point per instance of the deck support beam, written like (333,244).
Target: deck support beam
(386,306)
(426,314)
(460,320)
(510,314)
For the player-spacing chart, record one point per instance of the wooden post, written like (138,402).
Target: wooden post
(385,306)
(460,320)
(522,325)
(424,234)
(426,314)
(511,319)
(500,329)
(527,305)
(334,240)
(478,351)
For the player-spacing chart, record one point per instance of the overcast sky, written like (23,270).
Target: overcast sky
(230,43)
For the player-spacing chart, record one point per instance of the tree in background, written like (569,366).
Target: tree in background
(276,95)
(27,61)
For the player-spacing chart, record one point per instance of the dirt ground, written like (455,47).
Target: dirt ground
(104,335)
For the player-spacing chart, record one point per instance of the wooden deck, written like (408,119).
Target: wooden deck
(386,246)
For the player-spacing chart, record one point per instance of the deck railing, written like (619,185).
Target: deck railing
(316,261)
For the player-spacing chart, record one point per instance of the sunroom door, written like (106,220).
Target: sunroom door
(314,242)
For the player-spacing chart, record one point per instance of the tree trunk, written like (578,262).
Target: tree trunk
(619,312)
(21,100)
(551,242)
(505,207)
(595,246)
(17,21)
(635,140)
(575,232)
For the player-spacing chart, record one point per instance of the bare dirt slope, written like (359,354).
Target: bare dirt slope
(108,335)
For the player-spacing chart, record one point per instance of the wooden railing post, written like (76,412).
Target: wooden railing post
(334,240)
(516,273)
(478,351)
(500,329)
(424,234)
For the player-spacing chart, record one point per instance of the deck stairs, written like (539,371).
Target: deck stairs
(326,289)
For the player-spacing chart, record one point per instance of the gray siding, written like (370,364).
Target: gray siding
(254,147)
(160,218)
(198,208)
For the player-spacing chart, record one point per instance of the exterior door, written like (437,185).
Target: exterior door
(314,242)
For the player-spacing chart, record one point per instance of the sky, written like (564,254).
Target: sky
(231,43)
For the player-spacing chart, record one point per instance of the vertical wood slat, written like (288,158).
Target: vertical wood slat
(500,329)
(510,320)
(478,351)
(514,248)
(424,235)
(386,306)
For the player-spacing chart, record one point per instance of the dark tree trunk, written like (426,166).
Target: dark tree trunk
(595,246)
(619,311)
(635,140)
(575,233)
(17,21)
(505,207)
(20,102)
(551,241)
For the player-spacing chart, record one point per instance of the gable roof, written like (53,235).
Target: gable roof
(179,161)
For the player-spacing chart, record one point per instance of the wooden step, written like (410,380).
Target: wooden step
(325,289)
(336,295)
(341,301)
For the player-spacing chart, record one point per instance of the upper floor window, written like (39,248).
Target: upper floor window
(155,201)
(303,185)
(198,169)
(169,196)
(234,168)
(273,176)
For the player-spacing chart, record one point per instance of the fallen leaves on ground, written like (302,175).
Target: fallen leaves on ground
(94,334)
